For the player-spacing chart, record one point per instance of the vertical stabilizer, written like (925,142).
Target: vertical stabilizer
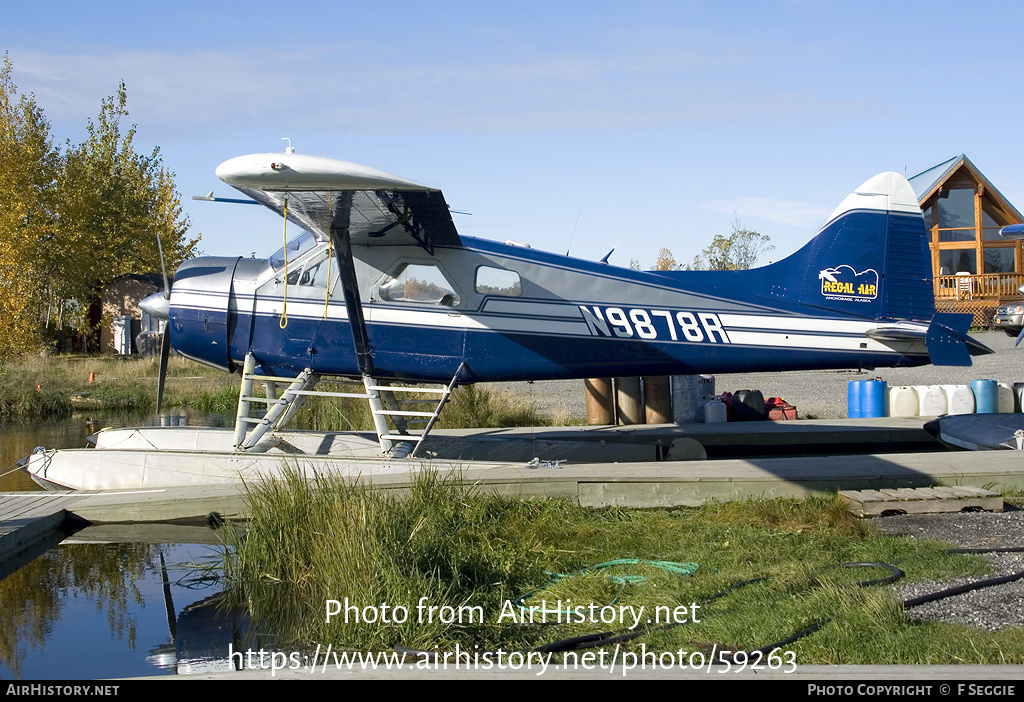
(871,259)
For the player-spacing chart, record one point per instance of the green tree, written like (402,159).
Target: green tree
(72,222)
(736,252)
(114,203)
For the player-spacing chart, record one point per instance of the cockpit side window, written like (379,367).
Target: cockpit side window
(296,247)
(498,281)
(418,282)
(312,273)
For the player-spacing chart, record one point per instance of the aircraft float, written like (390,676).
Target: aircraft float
(378,285)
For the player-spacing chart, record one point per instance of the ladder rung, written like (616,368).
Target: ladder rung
(269,378)
(252,420)
(403,437)
(267,400)
(322,393)
(396,388)
(402,413)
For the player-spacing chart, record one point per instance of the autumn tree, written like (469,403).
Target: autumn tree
(665,261)
(75,221)
(114,203)
(28,167)
(736,252)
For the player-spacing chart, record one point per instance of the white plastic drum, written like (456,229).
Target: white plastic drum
(1005,397)
(931,400)
(959,398)
(714,411)
(903,402)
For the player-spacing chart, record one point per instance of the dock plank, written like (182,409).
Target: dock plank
(30,522)
(865,503)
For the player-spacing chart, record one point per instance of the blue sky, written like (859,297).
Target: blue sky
(650,123)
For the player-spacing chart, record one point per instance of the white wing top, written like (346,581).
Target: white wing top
(333,197)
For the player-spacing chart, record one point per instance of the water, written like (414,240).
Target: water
(110,601)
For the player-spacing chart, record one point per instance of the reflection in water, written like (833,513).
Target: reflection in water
(34,599)
(100,605)
(206,634)
(86,611)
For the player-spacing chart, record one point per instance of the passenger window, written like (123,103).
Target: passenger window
(415,282)
(498,281)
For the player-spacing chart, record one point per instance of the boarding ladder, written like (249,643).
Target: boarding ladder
(387,402)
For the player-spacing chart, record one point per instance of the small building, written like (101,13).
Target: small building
(122,320)
(973,268)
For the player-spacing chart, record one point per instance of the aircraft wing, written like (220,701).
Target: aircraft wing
(324,194)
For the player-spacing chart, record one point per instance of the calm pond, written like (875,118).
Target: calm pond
(108,602)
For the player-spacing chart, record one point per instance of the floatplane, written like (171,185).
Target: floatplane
(377,285)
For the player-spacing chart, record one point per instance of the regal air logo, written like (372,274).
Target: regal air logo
(844,283)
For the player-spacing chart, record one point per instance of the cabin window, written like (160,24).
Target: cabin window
(498,281)
(418,282)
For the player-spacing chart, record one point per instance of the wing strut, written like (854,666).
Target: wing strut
(340,235)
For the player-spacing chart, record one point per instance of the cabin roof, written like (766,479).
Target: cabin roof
(928,182)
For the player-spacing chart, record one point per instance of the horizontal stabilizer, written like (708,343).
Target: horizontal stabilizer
(948,343)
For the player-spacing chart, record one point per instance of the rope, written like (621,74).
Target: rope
(330,255)
(621,580)
(283,322)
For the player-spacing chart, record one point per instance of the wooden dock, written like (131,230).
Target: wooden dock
(30,523)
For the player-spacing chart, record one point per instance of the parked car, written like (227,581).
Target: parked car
(1009,318)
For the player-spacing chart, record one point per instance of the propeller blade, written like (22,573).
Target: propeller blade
(160,248)
(165,353)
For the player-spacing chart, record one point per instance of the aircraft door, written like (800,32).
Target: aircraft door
(415,322)
(288,312)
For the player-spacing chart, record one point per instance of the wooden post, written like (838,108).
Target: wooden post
(600,408)
(657,399)
(628,401)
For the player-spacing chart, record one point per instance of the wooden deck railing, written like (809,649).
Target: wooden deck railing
(983,286)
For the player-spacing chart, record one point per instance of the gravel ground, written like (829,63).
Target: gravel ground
(990,608)
(816,394)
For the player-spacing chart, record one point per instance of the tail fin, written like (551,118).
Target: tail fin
(871,260)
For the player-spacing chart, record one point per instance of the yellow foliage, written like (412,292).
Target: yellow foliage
(74,221)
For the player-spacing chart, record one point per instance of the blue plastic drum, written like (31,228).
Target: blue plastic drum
(854,390)
(986,396)
(874,401)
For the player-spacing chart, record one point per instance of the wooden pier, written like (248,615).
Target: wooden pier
(874,503)
(30,523)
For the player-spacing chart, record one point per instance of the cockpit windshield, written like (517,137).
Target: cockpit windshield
(296,247)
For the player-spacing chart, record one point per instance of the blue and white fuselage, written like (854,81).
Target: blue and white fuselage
(380,282)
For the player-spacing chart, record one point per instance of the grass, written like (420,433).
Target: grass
(440,544)
(54,386)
